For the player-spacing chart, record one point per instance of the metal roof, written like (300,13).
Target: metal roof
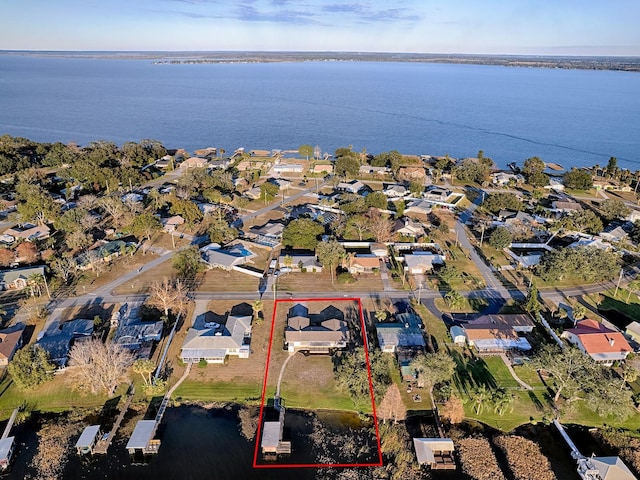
(5,447)
(88,436)
(271,435)
(142,434)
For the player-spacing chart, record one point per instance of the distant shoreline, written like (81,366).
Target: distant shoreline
(627,64)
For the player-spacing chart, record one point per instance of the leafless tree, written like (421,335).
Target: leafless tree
(98,368)
(168,296)
(380,225)
(392,407)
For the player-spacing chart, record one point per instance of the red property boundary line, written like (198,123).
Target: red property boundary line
(264,391)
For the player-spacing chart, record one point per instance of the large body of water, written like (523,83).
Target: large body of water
(571,117)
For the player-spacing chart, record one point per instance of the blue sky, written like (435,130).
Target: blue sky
(581,27)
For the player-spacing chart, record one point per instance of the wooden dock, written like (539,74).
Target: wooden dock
(102,445)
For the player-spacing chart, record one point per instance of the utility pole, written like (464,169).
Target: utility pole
(482,235)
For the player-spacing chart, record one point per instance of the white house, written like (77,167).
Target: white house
(213,342)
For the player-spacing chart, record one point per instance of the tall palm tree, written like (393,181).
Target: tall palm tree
(454,299)
(257,308)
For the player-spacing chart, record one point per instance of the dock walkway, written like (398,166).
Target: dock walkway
(102,445)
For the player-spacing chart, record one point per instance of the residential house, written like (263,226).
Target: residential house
(299,262)
(134,334)
(420,263)
(282,183)
(602,344)
(170,224)
(591,242)
(58,339)
(494,338)
(633,331)
(399,335)
(220,164)
(226,258)
(617,234)
(253,193)
(104,253)
(421,207)
(207,208)
(555,184)
(437,453)
(10,341)
(194,162)
(354,186)
(504,178)
(363,263)
(416,174)
(437,194)
(519,322)
(563,206)
(213,342)
(377,171)
(322,169)
(29,231)
(260,153)
(164,162)
(408,227)
(321,333)
(270,229)
(396,191)
(287,168)
(18,278)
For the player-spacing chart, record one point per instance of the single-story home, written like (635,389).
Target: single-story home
(379,250)
(18,278)
(253,193)
(395,191)
(172,223)
(300,262)
(565,206)
(504,178)
(322,168)
(421,207)
(363,263)
(437,194)
(213,342)
(435,452)
(602,344)
(288,168)
(392,336)
(321,335)
(617,234)
(488,339)
(354,186)
(270,229)
(134,333)
(10,341)
(520,322)
(194,162)
(369,170)
(408,228)
(58,339)
(226,258)
(419,263)
(29,231)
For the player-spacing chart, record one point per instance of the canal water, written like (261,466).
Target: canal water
(203,444)
(197,443)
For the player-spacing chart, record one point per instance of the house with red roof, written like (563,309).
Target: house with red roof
(602,344)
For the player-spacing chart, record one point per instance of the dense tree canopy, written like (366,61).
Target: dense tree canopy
(533,171)
(30,367)
(474,170)
(302,233)
(578,179)
(583,221)
(500,238)
(187,262)
(502,201)
(351,375)
(588,264)
(612,208)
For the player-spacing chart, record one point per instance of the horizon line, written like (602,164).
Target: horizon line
(338,52)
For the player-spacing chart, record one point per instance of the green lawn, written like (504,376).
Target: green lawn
(52,396)
(434,326)
(619,304)
(524,411)
(219,391)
